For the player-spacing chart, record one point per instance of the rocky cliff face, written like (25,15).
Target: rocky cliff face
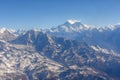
(73,59)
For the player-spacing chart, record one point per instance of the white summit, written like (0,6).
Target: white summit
(2,30)
(72,21)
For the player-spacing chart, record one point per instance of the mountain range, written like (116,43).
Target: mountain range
(70,51)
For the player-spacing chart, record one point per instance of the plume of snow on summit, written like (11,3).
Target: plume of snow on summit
(72,21)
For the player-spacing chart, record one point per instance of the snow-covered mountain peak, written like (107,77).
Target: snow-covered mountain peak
(117,25)
(72,21)
(71,26)
(112,27)
(2,30)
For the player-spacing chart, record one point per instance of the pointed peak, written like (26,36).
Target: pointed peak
(2,30)
(36,29)
(113,27)
(72,21)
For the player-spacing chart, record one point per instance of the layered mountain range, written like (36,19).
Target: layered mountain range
(71,51)
(105,37)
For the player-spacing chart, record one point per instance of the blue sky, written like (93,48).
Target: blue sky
(29,14)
